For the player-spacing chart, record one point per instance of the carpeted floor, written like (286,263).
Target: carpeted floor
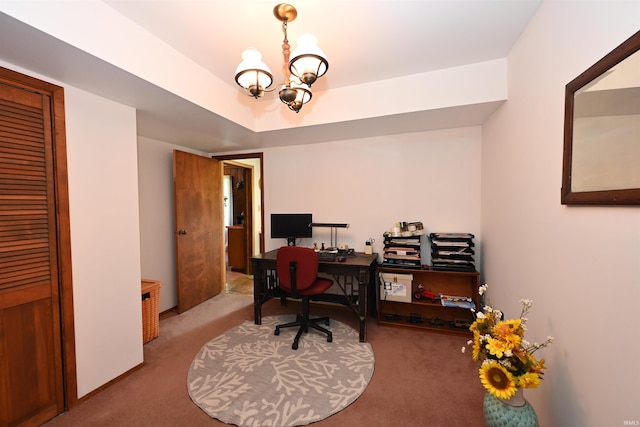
(420,378)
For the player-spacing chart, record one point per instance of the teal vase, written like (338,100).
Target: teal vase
(515,412)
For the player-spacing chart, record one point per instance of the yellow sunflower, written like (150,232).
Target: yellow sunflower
(475,355)
(497,380)
(528,380)
(498,347)
(507,328)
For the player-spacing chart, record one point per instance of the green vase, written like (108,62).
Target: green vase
(514,412)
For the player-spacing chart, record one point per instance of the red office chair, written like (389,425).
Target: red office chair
(297,269)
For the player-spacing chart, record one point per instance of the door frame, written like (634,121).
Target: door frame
(62,225)
(239,158)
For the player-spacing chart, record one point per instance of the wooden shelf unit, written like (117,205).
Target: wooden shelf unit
(435,317)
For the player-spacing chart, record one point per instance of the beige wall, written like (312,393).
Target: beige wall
(372,183)
(580,265)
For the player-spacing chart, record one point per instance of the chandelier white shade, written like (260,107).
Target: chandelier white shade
(252,74)
(308,61)
(308,64)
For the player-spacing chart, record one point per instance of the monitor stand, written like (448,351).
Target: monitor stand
(291,241)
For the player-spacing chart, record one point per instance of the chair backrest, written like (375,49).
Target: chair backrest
(306,266)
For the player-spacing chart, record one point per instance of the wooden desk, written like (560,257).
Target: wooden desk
(353,277)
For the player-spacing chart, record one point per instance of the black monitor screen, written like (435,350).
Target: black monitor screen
(291,226)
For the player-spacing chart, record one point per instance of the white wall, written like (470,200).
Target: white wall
(580,265)
(105,237)
(372,183)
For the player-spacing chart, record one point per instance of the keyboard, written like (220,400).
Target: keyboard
(327,256)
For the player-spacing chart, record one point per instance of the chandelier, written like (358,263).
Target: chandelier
(308,63)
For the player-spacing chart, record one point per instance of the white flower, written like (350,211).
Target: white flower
(505,362)
(482,289)
(481,316)
(549,339)
(526,303)
(463,349)
(470,342)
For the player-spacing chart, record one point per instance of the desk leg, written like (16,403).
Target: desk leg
(362,308)
(258,287)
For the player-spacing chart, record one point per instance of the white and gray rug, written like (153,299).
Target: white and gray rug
(250,377)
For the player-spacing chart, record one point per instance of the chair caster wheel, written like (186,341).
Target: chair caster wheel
(329,338)
(277,332)
(294,346)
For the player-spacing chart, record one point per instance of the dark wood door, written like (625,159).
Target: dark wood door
(31,367)
(198,204)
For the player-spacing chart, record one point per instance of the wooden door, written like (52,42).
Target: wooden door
(31,365)
(199,228)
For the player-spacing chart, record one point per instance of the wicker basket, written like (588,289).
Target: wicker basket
(150,307)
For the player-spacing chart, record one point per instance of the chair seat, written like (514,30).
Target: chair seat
(319,286)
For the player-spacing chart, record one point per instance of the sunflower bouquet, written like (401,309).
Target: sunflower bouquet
(507,358)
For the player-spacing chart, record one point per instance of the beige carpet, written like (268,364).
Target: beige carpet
(420,379)
(250,377)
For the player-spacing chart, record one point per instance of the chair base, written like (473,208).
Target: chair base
(304,323)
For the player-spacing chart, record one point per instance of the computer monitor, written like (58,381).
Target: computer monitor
(291,227)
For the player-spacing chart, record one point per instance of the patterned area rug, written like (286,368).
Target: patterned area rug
(250,377)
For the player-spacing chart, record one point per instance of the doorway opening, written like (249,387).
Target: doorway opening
(243,218)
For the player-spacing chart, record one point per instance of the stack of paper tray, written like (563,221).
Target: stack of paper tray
(402,252)
(452,251)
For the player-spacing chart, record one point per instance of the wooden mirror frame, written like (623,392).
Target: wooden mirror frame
(630,196)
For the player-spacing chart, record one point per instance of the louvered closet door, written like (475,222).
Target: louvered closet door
(31,389)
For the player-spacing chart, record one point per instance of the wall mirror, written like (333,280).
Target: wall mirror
(601,157)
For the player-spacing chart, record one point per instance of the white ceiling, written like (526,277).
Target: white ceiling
(364,40)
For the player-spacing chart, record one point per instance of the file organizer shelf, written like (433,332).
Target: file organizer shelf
(426,313)
(402,252)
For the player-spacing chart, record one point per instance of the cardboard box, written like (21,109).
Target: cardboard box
(396,287)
